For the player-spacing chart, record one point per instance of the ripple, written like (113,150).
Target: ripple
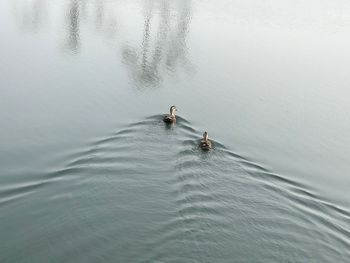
(149,190)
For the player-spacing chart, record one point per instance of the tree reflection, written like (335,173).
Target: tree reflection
(164,28)
(73,40)
(100,11)
(31,15)
(169,30)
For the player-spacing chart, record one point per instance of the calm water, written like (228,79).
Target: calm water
(90,173)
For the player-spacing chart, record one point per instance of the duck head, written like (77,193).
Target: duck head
(172,110)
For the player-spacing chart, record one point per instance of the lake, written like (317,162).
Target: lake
(90,173)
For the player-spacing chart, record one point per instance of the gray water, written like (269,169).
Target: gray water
(90,173)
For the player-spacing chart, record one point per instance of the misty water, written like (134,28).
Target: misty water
(90,173)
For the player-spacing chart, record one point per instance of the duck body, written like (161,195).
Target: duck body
(205,144)
(170,118)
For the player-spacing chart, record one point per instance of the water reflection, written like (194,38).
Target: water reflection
(164,42)
(31,15)
(100,12)
(152,35)
(73,39)
(163,25)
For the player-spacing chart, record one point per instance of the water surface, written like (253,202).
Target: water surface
(90,173)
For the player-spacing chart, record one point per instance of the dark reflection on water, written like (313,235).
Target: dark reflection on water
(73,20)
(163,45)
(169,46)
(147,193)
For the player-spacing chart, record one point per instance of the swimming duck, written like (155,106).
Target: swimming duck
(170,118)
(205,144)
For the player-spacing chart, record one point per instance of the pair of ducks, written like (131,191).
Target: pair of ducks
(204,144)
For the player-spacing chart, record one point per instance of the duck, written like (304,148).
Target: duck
(170,118)
(205,144)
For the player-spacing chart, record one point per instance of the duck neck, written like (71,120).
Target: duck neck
(205,137)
